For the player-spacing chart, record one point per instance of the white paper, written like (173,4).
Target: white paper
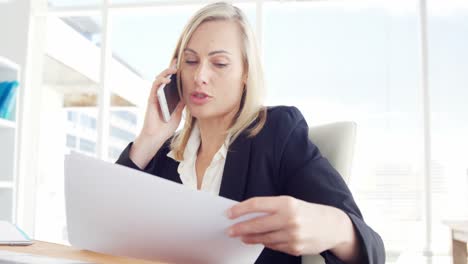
(120,211)
(24,258)
(9,234)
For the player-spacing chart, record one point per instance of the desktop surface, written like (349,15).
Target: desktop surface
(67,252)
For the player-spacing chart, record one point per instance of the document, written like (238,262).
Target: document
(12,235)
(121,211)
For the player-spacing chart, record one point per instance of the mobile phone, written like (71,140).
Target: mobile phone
(168,98)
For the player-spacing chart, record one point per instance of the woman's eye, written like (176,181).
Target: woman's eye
(220,65)
(190,62)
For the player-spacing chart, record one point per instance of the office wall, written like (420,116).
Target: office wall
(17,30)
(14,21)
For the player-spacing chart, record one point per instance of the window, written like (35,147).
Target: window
(359,62)
(448,65)
(71,141)
(87,145)
(69,88)
(72,116)
(121,134)
(71,3)
(114,153)
(88,122)
(129,117)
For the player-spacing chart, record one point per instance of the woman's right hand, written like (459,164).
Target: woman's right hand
(155,130)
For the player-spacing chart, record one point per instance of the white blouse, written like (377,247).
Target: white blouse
(214,172)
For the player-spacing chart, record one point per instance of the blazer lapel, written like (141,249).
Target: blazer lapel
(236,169)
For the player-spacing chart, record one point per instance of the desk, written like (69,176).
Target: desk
(459,240)
(67,252)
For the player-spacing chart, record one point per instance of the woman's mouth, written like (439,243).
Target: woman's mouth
(200,98)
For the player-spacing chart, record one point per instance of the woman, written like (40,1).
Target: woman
(231,145)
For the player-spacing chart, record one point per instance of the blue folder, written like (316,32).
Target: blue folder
(8,91)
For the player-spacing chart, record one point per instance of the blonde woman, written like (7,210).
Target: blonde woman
(231,145)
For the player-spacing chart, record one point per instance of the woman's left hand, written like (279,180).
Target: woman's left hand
(290,225)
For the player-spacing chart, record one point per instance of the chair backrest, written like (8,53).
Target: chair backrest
(336,143)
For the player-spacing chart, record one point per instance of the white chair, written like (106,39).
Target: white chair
(336,142)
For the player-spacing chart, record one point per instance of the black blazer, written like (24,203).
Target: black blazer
(280,160)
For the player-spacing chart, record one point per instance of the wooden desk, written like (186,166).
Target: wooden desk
(459,240)
(67,252)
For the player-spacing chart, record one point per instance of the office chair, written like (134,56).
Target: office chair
(336,143)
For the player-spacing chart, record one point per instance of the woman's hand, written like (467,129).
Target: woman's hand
(295,227)
(155,130)
(154,126)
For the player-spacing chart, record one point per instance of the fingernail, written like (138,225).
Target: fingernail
(228,213)
(230,232)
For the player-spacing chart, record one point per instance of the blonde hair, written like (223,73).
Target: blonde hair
(251,106)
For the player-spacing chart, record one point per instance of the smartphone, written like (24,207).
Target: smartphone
(168,97)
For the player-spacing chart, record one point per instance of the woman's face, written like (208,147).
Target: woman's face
(212,70)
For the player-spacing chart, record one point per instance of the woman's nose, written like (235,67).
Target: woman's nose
(202,74)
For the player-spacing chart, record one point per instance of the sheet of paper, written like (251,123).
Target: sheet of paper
(120,211)
(10,235)
(7,257)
